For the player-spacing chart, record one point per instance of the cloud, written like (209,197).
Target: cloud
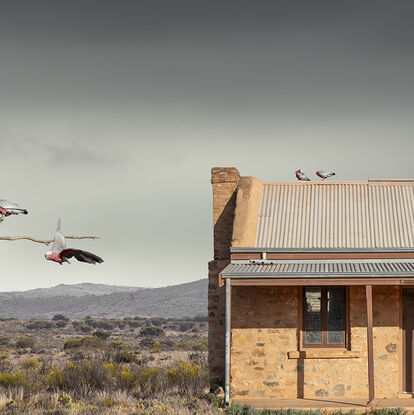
(52,153)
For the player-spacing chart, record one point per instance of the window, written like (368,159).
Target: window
(324,316)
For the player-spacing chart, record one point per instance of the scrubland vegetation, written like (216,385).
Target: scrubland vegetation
(111,366)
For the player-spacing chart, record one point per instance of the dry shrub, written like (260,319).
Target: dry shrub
(31,363)
(190,378)
(88,342)
(25,342)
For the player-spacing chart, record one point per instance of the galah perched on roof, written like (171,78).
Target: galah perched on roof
(8,208)
(300,175)
(59,253)
(324,174)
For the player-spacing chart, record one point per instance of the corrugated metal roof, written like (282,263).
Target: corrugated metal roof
(336,215)
(319,269)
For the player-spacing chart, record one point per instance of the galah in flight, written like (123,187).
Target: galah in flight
(323,174)
(59,253)
(300,175)
(8,208)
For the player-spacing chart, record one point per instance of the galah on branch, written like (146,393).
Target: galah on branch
(300,175)
(59,253)
(8,208)
(324,174)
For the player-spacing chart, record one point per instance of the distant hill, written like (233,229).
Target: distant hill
(100,300)
(75,290)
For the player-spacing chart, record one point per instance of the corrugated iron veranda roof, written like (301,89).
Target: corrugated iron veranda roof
(319,269)
(336,215)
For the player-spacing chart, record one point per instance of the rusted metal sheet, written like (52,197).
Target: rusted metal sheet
(371,214)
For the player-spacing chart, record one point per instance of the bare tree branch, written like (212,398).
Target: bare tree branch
(40,241)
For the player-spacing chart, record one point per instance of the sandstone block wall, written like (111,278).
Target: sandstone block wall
(224,182)
(264,330)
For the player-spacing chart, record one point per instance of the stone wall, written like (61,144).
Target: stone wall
(224,182)
(264,331)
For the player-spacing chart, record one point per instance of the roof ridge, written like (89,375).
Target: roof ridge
(372,182)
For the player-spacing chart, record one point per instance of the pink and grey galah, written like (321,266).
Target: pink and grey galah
(8,208)
(300,175)
(60,254)
(324,174)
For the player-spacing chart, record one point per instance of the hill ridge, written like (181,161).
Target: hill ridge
(109,301)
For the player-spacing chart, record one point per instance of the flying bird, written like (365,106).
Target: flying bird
(59,253)
(8,208)
(323,174)
(300,175)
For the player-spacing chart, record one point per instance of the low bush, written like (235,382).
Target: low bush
(87,342)
(72,344)
(190,378)
(31,363)
(25,342)
(4,341)
(40,324)
(102,334)
(101,324)
(134,323)
(201,317)
(157,347)
(157,322)
(185,325)
(152,331)
(12,380)
(125,356)
(200,347)
(60,317)
(84,328)
(146,342)
(107,401)
(65,400)
(215,400)
(168,344)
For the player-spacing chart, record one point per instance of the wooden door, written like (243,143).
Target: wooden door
(408,331)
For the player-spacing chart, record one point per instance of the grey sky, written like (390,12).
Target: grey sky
(113,112)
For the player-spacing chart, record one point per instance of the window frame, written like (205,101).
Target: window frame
(324,320)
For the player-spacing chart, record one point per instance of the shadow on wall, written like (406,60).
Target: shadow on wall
(223,230)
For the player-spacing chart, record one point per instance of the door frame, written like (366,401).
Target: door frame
(404,291)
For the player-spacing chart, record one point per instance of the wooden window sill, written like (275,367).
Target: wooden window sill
(324,354)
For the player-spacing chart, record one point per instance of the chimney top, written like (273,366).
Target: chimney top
(224,175)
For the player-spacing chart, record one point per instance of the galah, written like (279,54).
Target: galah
(8,208)
(300,175)
(324,174)
(59,253)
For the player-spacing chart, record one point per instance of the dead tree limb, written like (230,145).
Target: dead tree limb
(41,241)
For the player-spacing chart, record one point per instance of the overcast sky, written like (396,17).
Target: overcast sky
(112,114)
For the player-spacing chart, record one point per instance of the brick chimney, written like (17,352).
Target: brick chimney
(225,181)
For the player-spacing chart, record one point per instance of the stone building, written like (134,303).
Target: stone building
(311,289)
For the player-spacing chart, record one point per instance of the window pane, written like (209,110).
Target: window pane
(312,315)
(336,304)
